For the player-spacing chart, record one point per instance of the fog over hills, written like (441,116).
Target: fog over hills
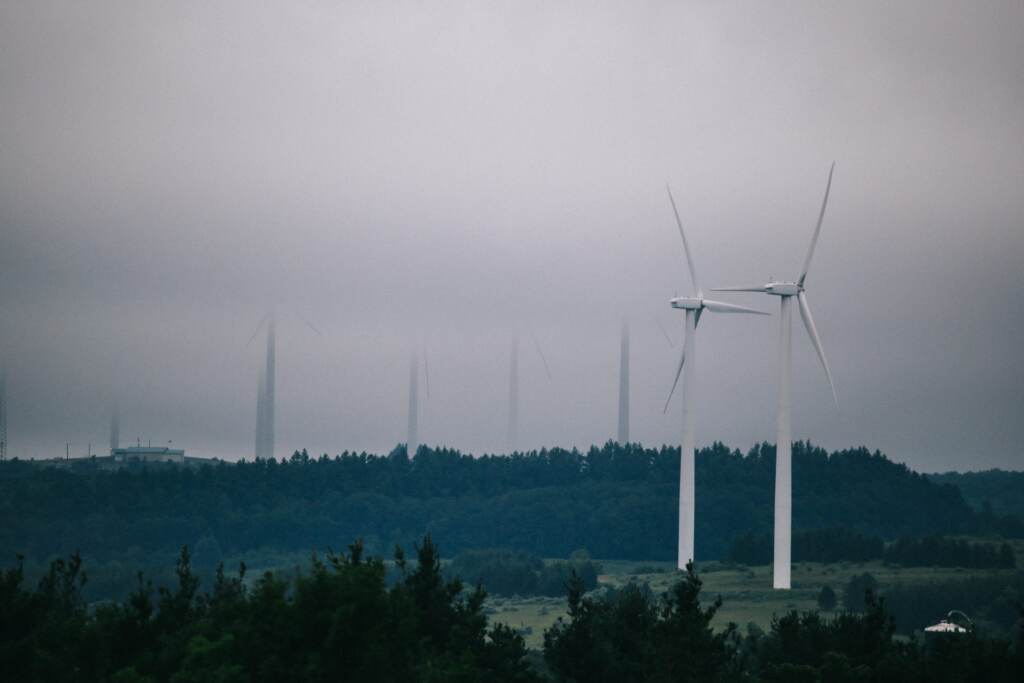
(443,178)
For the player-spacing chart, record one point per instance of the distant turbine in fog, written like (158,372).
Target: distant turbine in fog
(261,420)
(783,443)
(412,433)
(513,396)
(115,428)
(693,307)
(624,384)
(3,415)
(412,437)
(269,378)
(513,390)
(265,405)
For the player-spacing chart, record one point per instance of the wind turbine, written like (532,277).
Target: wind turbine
(265,387)
(115,427)
(692,307)
(513,389)
(783,443)
(3,415)
(261,416)
(623,431)
(412,432)
(624,384)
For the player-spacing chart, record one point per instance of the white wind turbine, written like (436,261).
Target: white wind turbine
(693,307)
(512,436)
(783,443)
(412,442)
(623,432)
(265,391)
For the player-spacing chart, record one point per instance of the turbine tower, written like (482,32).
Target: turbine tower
(260,418)
(3,415)
(115,427)
(412,440)
(512,437)
(624,384)
(692,307)
(265,387)
(786,291)
(267,445)
(412,433)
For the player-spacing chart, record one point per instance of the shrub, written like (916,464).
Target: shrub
(856,592)
(827,599)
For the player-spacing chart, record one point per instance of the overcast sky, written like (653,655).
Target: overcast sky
(443,176)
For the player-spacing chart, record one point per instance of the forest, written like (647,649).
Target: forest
(996,492)
(844,545)
(614,501)
(340,619)
(508,572)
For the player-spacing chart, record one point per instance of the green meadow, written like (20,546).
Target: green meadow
(746,592)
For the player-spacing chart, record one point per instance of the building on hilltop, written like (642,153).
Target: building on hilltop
(148,454)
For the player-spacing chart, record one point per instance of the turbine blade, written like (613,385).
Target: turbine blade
(686,245)
(312,327)
(679,371)
(671,344)
(722,307)
(682,360)
(257,330)
(540,353)
(805,313)
(752,288)
(817,228)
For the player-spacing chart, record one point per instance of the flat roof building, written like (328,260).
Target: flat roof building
(148,454)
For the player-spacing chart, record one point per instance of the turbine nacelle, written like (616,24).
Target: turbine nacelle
(783,288)
(687,303)
(776,288)
(699,303)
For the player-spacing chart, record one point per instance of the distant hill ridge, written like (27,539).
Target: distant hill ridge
(1002,490)
(616,501)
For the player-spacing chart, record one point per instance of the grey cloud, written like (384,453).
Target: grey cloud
(447,176)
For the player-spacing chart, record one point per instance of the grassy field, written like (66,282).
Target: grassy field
(746,592)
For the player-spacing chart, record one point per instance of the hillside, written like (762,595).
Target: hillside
(618,502)
(1002,490)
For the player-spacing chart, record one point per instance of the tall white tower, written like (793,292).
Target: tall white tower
(787,291)
(268,392)
(261,391)
(624,384)
(412,438)
(513,396)
(3,415)
(115,427)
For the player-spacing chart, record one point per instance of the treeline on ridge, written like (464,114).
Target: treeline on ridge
(991,492)
(618,501)
(845,545)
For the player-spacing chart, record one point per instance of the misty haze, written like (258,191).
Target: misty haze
(295,284)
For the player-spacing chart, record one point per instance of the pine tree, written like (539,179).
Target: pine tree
(827,599)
